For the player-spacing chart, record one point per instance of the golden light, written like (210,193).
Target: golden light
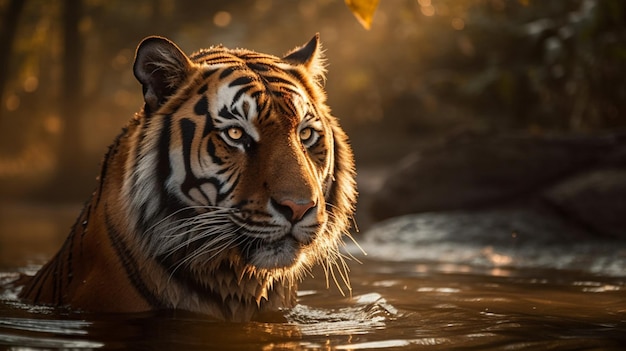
(52,124)
(222,19)
(457,23)
(496,258)
(12,102)
(30,84)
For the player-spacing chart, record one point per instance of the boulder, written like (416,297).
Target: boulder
(482,172)
(595,199)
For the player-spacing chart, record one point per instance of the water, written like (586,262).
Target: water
(407,294)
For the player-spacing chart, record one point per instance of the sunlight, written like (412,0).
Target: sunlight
(36,160)
(496,258)
(30,84)
(222,19)
(12,102)
(457,23)
(53,124)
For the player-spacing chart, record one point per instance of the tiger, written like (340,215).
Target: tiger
(227,187)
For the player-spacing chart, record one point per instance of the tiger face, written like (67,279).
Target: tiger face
(263,153)
(240,162)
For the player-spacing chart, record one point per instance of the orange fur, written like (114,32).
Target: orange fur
(217,197)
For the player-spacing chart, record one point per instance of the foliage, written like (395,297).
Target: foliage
(550,64)
(530,65)
(363,10)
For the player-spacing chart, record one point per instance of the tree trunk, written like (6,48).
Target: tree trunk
(69,184)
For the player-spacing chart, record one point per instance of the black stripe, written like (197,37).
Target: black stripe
(70,270)
(138,147)
(187,130)
(221,195)
(38,281)
(224,61)
(113,149)
(130,265)
(298,75)
(241,81)
(208,125)
(203,89)
(201,108)
(277,79)
(59,274)
(163,166)
(207,74)
(55,279)
(84,218)
(214,55)
(256,56)
(210,146)
(225,113)
(201,54)
(241,92)
(227,72)
(258,67)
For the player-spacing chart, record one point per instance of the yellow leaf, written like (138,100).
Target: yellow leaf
(363,10)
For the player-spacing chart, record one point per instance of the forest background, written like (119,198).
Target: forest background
(426,70)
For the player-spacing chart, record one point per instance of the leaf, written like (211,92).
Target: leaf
(363,10)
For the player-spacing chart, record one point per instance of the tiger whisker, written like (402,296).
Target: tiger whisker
(202,251)
(212,210)
(178,228)
(199,236)
(337,261)
(225,239)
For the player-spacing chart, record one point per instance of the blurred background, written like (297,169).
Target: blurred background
(426,71)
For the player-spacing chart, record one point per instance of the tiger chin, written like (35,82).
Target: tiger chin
(232,181)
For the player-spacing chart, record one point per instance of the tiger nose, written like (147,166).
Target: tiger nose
(294,210)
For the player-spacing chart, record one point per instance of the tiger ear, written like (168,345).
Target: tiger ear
(161,67)
(310,56)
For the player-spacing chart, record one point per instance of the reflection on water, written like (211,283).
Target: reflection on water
(409,304)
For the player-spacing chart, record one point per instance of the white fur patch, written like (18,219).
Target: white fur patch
(245,110)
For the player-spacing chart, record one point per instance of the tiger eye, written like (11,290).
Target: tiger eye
(235,133)
(305,134)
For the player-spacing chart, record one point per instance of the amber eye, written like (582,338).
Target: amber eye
(309,136)
(236,136)
(235,133)
(306,134)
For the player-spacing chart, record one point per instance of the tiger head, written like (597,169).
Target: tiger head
(239,164)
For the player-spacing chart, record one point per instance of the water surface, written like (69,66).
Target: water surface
(466,296)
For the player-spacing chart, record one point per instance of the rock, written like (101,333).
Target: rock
(489,172)
(595,199)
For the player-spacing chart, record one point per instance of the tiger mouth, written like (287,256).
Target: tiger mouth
(268,233)
(281,253)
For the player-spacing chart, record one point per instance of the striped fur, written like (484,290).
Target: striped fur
(218,196)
